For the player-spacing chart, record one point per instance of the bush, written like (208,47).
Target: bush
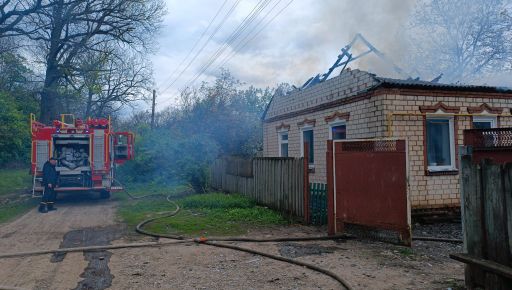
(163,157)
(14,129)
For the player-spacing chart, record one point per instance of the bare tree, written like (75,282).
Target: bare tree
(12,13)
(462,39)
(70,28)
(119,80)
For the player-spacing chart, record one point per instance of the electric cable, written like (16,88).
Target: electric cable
(195,44)
(217,28)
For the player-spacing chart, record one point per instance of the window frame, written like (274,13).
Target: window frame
(485,118)
(335,123)
(302,130)
(281,142)
(451,130)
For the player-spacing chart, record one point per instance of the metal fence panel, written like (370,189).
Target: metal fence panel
(370,188)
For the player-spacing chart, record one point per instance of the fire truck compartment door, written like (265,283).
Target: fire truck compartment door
(123,146)
(99,150)
(42,153)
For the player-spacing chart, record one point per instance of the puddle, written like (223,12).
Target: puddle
(97,273)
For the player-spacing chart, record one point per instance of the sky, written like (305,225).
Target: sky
(301,41)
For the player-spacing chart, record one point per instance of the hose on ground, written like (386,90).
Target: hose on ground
(214,242)
(280,258)
(442,240)
(93,248)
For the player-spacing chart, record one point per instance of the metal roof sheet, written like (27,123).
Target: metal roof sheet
(418,84)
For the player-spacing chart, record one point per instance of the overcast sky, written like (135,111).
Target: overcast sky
(302,41)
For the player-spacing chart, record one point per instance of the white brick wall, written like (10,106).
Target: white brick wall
(368,120)
(349,83)
(365,122)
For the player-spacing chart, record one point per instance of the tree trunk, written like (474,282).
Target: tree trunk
(50,94)
(88,107)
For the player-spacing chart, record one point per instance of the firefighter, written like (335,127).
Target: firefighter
(50,177)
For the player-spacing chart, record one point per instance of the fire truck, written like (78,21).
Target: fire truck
(87,152)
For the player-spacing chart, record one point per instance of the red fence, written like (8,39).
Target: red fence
(495,144)
(368,187)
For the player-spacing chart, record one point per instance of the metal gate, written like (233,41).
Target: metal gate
(367,182)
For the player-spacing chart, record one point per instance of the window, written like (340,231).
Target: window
(338,131)
(484,122)
(440,144)
(307,137)
(283,144)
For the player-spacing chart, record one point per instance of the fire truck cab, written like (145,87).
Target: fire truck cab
(87,153)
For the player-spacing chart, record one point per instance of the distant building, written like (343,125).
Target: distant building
(360,105)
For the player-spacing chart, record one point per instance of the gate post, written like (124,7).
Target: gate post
(331,227)
(307,217)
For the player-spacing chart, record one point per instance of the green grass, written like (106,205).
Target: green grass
(406,251)
(14,181)
(12,210)
(217,200)
(213,214)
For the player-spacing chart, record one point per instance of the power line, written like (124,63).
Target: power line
(246,21)
(196,43)
(253,36)
(238,31)
(243,43)
(217,28)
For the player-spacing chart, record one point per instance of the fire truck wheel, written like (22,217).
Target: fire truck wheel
(105,194)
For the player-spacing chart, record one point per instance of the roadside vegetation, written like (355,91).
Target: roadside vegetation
(211,214)
(13,182)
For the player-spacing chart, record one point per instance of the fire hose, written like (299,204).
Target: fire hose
(215,241)
(178,239)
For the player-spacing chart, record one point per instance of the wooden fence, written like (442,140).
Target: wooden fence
(487,219)
(273,181)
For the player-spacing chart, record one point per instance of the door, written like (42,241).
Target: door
(123,147)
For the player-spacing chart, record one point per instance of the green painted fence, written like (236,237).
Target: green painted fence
(318,203)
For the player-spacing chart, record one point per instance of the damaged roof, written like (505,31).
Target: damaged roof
(418,84)
(354,82)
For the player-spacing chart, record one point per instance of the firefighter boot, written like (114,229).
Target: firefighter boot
(51,207)
(42,208)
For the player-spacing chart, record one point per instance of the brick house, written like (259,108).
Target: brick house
(360,105)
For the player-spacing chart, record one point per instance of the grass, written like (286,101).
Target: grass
(213,214)
(17,208)
(12,183)
(406,251)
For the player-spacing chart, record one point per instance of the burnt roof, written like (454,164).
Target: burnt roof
(418,84)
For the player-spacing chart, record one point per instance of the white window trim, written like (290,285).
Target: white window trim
(281,141)
(302,129)
(487,118)
(452,166)
(336,122)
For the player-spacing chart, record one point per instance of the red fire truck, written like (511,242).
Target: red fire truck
(87,152)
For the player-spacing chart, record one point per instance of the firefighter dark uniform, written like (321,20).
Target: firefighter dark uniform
(50,177)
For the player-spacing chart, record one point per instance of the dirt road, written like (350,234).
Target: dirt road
(365,265)
(34,231)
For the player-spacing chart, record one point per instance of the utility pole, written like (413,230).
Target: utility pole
(153,111)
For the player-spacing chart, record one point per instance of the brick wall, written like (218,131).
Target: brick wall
(434,191)
(349,83)
(368,119)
